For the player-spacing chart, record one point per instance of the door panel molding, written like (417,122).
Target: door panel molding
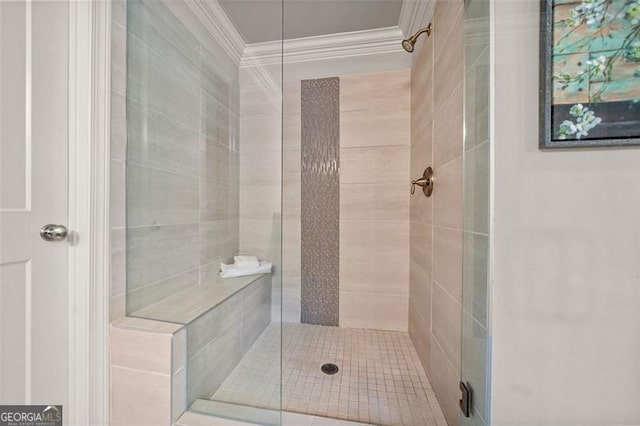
(89,104)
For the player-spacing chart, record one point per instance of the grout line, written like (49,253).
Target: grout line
(445,291)
(155,373)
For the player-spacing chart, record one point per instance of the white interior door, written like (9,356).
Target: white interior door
(34,127)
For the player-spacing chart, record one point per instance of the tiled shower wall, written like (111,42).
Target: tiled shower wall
(182,157)
(260,174)
(374,195)
(374,200)
(437,222)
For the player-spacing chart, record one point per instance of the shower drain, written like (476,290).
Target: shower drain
(329,369)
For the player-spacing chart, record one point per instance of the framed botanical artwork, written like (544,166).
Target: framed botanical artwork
(590,73)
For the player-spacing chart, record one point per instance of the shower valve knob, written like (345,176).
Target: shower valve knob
(426,182)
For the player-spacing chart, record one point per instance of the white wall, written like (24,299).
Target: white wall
(566,281)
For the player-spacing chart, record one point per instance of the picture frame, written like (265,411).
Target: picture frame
(589,73)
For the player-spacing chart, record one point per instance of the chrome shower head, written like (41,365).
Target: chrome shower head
(408,44)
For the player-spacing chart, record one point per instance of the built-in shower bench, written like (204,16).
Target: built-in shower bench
(208,328)
(187,305)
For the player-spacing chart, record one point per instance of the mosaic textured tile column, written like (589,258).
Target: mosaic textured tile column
(320,201)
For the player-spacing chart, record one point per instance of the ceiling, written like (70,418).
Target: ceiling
(260,20)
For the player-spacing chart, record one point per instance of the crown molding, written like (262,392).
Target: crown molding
(415,14)
(217,22)
(324,47)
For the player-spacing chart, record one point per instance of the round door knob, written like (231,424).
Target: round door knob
(53,232)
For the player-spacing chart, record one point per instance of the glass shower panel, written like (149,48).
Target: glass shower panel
(476,341)
(203,181)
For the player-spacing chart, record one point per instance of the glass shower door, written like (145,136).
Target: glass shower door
(476,340)
(203,177)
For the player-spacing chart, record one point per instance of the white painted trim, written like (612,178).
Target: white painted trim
(89,103)
(415,14)
(325,47)
(217,22)
(28,190)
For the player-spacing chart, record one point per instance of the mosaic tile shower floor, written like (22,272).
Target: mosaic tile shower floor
(381,380)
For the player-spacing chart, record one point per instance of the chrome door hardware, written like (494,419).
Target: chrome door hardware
(426,182)
(53,232)
(465,399)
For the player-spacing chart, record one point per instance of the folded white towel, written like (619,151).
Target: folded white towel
(246,264)
(231,271)
(244,258)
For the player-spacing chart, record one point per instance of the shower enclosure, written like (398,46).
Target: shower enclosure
(294,139)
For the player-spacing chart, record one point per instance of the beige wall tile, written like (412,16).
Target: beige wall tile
(117,307)
(118,58)
(291,305)
(117,198)
(219,240)
(179,394)
(118,12)
(147,201)
(448,69)
(219,163)
(420,333)
(291,167)
(258,101)
(447,195)
(420,289)
(447,260)
(213,323)
(448,125)
(421,207)
(118,262)
(374,202)
(141,297)
(140,350)
(366,128)
(118,126)
(444,15)
(291,236)
(447,324)
(179,350)
(390,90)
(260,201)
(260,134)
(420,245)
(218,201)
(292,133)
(139,398)
(375,275)
(444,380)
(379,312)
(367,239)
(422,83)
(374,165)
(204,376)
(422,148)
(261,235)
(291,201)
(292,98)
(261,168)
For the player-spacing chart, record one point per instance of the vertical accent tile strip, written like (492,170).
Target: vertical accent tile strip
(320,201)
